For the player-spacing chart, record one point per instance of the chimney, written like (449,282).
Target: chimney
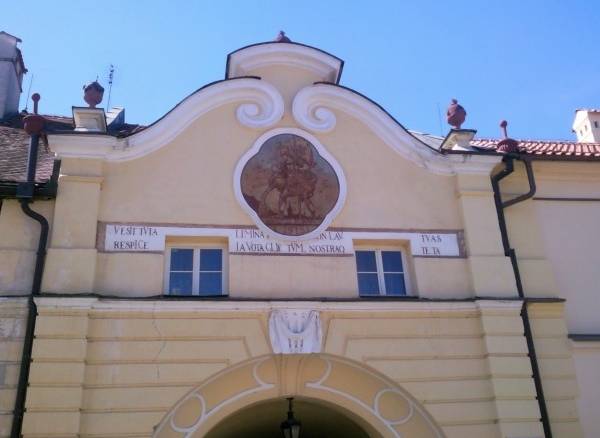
(587,125)
(12,70)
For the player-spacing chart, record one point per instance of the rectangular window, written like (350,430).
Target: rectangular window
(380,272)
(595,123)
(196,271)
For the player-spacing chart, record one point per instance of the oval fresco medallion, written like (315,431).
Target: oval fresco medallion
(290,184)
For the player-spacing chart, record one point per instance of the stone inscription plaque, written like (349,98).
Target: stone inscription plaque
(289,185)
(130,237)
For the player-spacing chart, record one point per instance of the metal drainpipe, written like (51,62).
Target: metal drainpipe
(25,191)
(510,252)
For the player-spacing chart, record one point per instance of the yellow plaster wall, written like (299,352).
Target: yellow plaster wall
(114,368)
(292,277)
(177,185)
(287,80)
(19,236)
(586,356)
(130,274)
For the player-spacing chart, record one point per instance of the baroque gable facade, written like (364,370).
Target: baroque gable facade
(277,235)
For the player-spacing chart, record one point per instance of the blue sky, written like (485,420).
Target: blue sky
(530,62)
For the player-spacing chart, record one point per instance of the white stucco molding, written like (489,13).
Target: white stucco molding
(261,106)
(500,307)
(314,109)
(207,306)
(246,60)
(90,146)
(295,331)
(584,346)
(66,303)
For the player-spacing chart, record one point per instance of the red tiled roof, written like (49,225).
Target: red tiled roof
(548,148)
(14,146)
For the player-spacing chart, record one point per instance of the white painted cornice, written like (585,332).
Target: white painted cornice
(80,303)
(205,306)
(314,109)
(472,163)
(245,61)
(500,306)
(261,106)
(90,146)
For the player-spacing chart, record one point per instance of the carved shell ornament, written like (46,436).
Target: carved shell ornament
(290,185)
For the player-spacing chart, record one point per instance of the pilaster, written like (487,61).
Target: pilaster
(491,270)
(71,260)
(526,238)
(55,394)
(510,370)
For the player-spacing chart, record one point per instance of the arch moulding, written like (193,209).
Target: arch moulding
(367,396)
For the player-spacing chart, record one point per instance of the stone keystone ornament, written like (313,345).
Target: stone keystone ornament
(295,331)
(290,185)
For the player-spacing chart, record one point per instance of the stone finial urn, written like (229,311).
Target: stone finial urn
(93,93)
(456,114)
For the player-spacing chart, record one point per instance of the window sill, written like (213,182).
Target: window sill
(195,297)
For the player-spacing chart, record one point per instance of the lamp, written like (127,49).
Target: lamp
(290,427)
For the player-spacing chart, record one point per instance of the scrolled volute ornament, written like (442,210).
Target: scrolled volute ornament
(263,109)
(310,112)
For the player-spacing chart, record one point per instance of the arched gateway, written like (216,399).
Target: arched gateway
(359,397)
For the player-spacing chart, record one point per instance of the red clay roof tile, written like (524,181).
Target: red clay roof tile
(550,148)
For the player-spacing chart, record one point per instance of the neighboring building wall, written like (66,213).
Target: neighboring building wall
(587,357)
(587,126)
(559,378)
(567,208)
(115,368)
(13,320)
(570,229)
(556,240)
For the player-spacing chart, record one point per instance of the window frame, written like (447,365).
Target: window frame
(380,272)
(196,269)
